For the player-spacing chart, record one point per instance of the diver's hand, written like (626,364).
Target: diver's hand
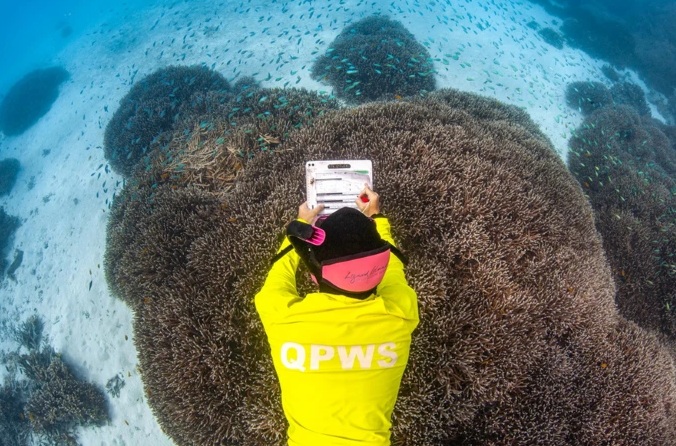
(370,207)
(309,215)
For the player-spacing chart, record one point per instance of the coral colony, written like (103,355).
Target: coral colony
(513,275)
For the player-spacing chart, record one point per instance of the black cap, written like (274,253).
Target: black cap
(348,232)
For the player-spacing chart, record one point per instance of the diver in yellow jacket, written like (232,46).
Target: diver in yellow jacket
(339,353)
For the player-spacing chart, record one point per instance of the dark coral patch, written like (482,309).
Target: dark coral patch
(375,58)
(626,93)
(8,226)
(30,99)
(588,96)
(626,166)
(148,112)
(9,170)
(551,37)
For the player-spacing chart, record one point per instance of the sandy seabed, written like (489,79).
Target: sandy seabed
(65,188)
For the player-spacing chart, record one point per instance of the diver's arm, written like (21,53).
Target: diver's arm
(394,286)
(279,290)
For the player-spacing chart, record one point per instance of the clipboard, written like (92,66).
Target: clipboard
(336,183)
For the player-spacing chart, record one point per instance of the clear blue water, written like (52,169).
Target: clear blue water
(34,31)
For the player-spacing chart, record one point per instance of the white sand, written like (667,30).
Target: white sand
(60,196)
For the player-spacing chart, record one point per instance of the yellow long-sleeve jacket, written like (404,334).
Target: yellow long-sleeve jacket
(339,360)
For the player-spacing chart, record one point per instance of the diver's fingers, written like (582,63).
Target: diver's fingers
(367,191)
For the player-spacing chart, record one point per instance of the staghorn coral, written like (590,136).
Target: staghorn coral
(588,96)
(245,84)
(147,113)
(30,99)
(508,267)
(206,152)
(627,168)
(626,93)
(610,365)
(375,58)
(225,131)
(29,333)
(50,403)
(144,219)
(61,402)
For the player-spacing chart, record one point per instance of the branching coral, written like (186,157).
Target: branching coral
(588,96)
(145,219)
(148,112)
(29,333)
(62,402)
(626,93)
(224,132)
(375,58)
(610,365)
(627,168)
(507,264)
(48,405)
(30,99)
(599,37)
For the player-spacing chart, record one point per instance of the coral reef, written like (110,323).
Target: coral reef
(49,402)
(29,333)
(639,35)
(627,167)
(134,270)
(30,99)
(14,427)
(375,58)
(62,402)
(601,38)
(609,367)
(626,93)
(245,84)
(508,267)
(551,37)
(9,170)
(588,96)
(611,73)
(655,34)
(207,150)
(8,225)
(147,113)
